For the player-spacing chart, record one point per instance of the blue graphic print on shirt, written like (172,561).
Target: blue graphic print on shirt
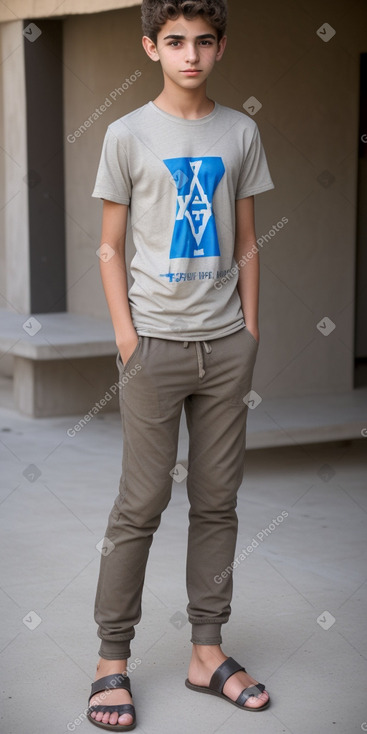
(195,233)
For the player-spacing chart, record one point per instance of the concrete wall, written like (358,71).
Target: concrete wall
(48,8)
(308,89)
(2,185)
(15,292)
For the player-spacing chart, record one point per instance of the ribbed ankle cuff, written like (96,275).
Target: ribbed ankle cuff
(206,634)
(114,650)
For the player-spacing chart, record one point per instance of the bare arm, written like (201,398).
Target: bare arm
(114,277)
(249,273)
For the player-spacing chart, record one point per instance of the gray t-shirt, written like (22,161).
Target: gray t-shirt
(181,179)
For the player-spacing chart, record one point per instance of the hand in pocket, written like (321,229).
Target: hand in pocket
(127,349)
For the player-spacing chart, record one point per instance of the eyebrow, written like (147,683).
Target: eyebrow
(178,37)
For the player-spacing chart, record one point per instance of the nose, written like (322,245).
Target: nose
(192,53)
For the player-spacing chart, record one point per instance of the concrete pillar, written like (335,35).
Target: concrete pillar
(15,201)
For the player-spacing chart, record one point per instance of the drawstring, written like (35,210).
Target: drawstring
(199,352)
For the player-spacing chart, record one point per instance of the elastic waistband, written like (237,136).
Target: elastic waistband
(200,356)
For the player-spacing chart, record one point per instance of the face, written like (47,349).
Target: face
(187,50)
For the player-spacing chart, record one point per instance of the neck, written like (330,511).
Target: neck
(190,104)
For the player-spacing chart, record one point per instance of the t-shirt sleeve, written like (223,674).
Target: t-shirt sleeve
(113,180)
(254,175)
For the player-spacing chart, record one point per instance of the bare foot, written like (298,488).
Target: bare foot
(206,659)
(111,697)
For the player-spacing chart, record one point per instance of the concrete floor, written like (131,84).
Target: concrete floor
(298,618)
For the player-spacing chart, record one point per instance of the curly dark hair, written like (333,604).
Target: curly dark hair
(155,13)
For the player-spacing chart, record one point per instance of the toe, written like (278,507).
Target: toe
(255,702)
(125,719)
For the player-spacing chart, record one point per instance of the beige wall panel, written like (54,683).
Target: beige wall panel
(47,8)
(14,194)
(2,188)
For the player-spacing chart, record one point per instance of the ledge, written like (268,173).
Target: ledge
(308,419)
(55,336)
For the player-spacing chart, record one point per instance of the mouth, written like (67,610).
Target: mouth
(191,72)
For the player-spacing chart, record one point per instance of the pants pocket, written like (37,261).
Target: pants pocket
(251,336)
(244,358)
(139,393)
(120,364)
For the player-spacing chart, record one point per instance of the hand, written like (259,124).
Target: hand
(254,330)
(127,347)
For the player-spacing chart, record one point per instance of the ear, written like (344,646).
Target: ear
(150,48)
(221,48)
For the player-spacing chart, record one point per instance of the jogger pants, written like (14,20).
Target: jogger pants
(210,379)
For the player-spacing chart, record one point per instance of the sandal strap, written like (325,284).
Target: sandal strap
(250,691)
(123,708)
(110,682)
(223,672)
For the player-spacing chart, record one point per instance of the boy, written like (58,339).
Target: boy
(186,325)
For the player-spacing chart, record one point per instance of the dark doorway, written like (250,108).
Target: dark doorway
(43,55)
(361,259)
